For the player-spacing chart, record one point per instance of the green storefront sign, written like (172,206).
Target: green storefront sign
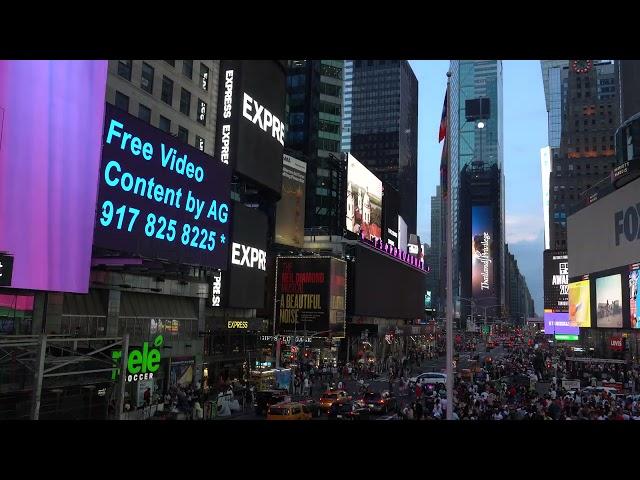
(141,365)
(565,337)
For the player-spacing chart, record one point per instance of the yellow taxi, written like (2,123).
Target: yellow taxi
(288,411)
(330,397)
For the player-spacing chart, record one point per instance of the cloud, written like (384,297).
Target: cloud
(523,228)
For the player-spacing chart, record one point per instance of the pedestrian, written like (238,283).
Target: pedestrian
(306,386)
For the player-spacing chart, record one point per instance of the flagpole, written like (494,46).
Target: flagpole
(449,308)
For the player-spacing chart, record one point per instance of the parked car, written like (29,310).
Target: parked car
(428,377)
(348,410)
(330,397)
(378,402)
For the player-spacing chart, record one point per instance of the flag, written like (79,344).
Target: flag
(442,133)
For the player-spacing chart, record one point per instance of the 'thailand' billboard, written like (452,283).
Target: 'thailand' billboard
(482,271)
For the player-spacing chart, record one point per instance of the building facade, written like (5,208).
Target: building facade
(314,118)
(434,256)
(588,95)
(475,133)
(383,123)
(519,303)
(629,88)
(176,96)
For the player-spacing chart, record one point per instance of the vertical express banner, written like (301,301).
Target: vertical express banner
(310,290)
(290,209)
(482,271)
(250,119)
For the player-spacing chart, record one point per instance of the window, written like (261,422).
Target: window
(165,124)
(187,68)
(122,101)
(183,134)
(167,90)
(171,62)
(185,102)
(202,112)
(200,143)
(124,68)
(146,82)
(204,76)
(144,113)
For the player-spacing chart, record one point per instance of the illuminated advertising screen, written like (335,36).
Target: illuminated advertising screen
(556,280)
(558,323)
(310,291)
(250,119)
(390,210)
(387,287)
(482,275)
(634,299)
(290,208)
(51,119)
(245,281)
(427,300)
(609,301)
(579,304)
(364,200)
(159,197)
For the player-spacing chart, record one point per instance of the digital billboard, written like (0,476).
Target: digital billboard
(390,212)
(482,274)
(245,281)
(290,208)
(605,234)
(386,287)
(51,119)
(634,299)
(159,197)
(558,323)
(609,301)
(364,200)
(310,293)
(556,280)
(250,119)
(579,304)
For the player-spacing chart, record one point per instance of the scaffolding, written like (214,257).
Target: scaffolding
(33,364)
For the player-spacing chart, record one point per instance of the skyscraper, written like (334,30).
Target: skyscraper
(477,182)
(435,251)
(314,89)
(629,88)
(383,108)
(582,144)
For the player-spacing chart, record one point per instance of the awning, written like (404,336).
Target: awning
(133,304)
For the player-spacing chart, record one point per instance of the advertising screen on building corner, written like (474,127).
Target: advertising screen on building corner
(634,299)
(51,117)
(311,294)
(290,209)
(364,200)
(579,304)
(160,197)
(482,270)
(250,120)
